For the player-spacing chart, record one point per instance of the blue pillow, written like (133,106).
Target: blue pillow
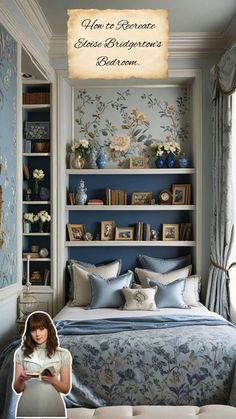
(107,293)
(163,266)
(169,295)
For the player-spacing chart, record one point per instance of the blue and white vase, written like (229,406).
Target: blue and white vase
(170,161)
(183,161)
(159,162)
(101,160)
(81,196)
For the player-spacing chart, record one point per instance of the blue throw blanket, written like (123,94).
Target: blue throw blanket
(173,360)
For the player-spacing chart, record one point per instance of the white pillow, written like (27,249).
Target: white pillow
(82,288)
(192,283)
(139,299)
(191,290)
(144,274)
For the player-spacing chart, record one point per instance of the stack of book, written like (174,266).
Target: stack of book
(36,98)
(185,231)
(116,197)
(95,201)
(142,231)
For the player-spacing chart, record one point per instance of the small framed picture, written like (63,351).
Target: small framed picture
(37,130)
(107,230)
(170,232)
(124,233)
(141,198)
(137,162)
(179,194)
(76,231)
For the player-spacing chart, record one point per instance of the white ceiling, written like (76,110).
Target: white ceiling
(184,15)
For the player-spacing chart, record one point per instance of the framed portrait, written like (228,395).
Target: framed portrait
(170,232)
(141,198)
(124,233)
(107,230)
(137,162)
(76,231)
(37,130)
(179,194)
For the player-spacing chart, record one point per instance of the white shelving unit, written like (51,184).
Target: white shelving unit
(34,159)
(130,207)
(134,243)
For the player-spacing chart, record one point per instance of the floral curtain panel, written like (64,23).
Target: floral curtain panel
(224,84)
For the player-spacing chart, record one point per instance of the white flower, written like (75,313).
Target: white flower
(159,149)
(29,217)
(81,147)
(38,174)
(120,142)
(42,216)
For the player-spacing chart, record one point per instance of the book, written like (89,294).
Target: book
(95,202)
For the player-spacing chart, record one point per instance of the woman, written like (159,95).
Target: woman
(42,370)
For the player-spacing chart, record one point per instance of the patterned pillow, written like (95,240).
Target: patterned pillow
(170,295)
(140,299)
(164,265)
(107,293)
(81,283)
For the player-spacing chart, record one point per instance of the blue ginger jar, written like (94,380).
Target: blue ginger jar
(170,161)
(101,160)
(81,196)
(159,162)
(183,161)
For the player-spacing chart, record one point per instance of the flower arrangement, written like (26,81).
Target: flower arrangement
(158,149)
(81,147)
(29,217)
(38,175)
(42,216)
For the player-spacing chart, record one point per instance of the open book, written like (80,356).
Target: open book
(49,371)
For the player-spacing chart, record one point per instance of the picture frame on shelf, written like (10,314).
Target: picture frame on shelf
(124,233)
(170,232)
(37,130)
(107,230)
(138,162)
(76,232)
(141,198)
(179,193)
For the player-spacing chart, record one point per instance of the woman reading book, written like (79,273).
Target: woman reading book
(42,370)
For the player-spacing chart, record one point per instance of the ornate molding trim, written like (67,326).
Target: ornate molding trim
(181,44)
(36,18)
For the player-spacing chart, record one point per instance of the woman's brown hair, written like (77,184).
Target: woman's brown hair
(35,321)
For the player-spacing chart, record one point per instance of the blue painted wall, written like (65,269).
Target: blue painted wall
(8,86)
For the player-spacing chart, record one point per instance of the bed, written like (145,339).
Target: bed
(165,356)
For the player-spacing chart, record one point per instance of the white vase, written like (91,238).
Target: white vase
(27,227)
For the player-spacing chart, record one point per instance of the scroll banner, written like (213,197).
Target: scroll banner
(117,44)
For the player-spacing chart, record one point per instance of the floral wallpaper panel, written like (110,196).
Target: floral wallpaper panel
(8,62)
(124,122)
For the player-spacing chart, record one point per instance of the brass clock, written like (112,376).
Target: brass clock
(165,197)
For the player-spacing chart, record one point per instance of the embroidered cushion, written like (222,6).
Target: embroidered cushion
(140,299)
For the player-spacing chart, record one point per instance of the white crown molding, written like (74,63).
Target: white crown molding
(36,18)
(181,44)
(13,27)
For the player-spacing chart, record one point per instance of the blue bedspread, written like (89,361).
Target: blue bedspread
(172,360)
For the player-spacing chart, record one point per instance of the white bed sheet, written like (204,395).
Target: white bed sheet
(80,313)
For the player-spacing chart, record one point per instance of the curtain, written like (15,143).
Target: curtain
(223,85)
